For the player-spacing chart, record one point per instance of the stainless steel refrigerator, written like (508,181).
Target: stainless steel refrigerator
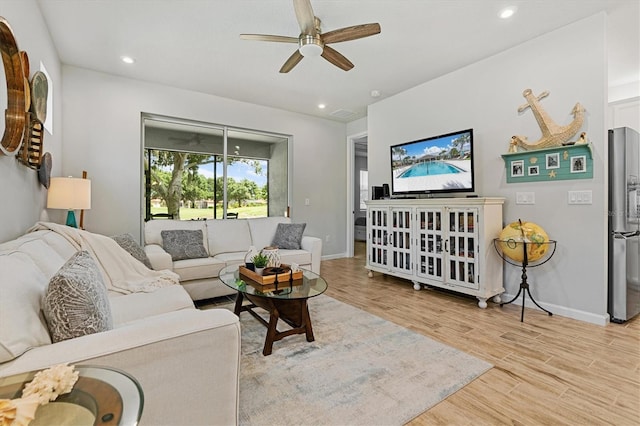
(624,224)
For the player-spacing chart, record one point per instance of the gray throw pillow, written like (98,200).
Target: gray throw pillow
(76,302)
(183,244)
(288,235)
(127,242)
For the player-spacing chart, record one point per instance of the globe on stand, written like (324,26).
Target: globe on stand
(524,242)
(513,236)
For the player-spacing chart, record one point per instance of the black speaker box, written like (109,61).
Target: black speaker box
(377,193)
(385,191)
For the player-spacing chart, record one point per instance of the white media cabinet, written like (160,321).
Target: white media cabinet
(438,242)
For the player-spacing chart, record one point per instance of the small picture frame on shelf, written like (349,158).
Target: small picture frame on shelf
(578,164)
(517,168)
(553,161)
(533,170)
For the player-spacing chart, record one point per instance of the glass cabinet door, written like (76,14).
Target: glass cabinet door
(378,238)
(400,240)
(430,249)
(461,246)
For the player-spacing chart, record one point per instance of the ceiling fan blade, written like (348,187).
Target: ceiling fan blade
(336,58)
(291,62)
(305,16)
(267,37)
(351,33)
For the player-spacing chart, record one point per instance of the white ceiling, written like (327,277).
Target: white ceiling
(195,44)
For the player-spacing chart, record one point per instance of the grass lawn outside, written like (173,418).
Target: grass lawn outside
(243,212)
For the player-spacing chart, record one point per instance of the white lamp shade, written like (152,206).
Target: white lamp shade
(69,193)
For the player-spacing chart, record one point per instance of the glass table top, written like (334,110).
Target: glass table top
(310,285)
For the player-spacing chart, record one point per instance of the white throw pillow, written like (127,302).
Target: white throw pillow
(21,325)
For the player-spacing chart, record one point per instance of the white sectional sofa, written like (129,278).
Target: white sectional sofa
(186,360)
(226,243)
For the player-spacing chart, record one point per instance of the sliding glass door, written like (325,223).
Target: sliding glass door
(195,170)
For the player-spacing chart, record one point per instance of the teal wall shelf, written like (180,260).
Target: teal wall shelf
(549,164)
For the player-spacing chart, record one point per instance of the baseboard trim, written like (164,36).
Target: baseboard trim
(562,311)
(333,256)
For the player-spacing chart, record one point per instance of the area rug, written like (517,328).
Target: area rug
(360,370)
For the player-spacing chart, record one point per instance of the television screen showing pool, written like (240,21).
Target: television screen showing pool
(437,164)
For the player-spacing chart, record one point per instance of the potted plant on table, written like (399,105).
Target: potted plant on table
(260,262)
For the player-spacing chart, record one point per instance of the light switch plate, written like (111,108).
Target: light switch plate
(525,197)
(580,197)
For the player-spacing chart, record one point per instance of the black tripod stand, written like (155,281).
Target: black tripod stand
(524,285)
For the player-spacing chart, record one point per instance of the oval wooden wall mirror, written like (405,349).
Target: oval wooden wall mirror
(14,115)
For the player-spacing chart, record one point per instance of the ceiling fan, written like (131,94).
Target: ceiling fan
(311,41)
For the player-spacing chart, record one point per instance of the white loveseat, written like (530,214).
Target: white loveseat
(226,243)
(186,360)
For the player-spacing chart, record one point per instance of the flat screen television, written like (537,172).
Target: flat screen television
(434,165)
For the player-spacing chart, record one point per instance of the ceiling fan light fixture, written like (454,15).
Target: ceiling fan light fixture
(310,46)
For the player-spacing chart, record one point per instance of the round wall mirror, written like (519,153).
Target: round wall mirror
(13,96)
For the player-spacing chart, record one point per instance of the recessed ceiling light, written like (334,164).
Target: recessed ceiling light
(507,12)
(127,59)
(322,106)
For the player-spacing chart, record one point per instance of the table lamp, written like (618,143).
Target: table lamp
(70,194)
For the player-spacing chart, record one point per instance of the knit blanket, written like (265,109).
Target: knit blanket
(121,272)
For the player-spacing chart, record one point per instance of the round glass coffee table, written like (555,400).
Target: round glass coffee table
(286,300)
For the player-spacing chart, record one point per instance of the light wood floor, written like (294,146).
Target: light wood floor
(547,370)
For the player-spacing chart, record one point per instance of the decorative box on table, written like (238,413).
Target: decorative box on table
(270,275)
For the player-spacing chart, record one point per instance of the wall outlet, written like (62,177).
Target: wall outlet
(307,202)
(327,238)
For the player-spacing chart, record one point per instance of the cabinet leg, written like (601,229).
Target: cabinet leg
(370,274)
(497,298)
(416,285)
(482,302)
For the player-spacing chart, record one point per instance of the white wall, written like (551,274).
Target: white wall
(625,48)
(102,136)
(571,64)
(23,198)
(625,114)
(357,127)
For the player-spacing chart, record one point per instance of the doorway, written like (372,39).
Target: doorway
(357,192)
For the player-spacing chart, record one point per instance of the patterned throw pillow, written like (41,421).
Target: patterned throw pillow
(76,302)
(289,235)
(183,244)
(127,242)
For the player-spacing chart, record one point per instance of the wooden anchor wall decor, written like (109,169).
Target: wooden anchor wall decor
(552,134)
(553,156)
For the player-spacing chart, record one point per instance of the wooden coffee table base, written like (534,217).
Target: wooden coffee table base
(294,312)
